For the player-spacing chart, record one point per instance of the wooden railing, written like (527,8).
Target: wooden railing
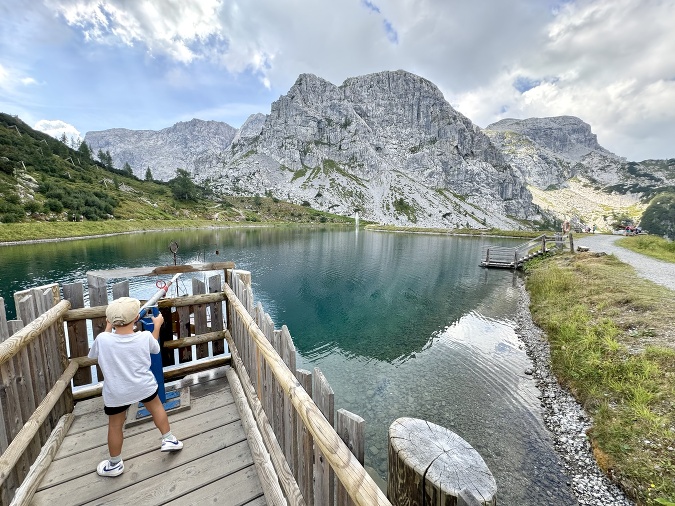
(34,396)
(294,412)
(288,414)
(514,256)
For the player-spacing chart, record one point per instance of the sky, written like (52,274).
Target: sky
(75,66)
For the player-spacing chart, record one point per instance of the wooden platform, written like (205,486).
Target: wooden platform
(215,466)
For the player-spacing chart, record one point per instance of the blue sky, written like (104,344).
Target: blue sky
(83,65)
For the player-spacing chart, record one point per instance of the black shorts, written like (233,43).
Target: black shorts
(120,409)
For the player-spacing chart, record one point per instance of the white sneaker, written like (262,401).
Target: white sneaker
(171,444)
(105,468)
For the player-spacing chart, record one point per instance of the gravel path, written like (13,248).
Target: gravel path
(658,271)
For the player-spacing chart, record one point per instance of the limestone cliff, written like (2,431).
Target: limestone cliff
(385,144)
(196,146)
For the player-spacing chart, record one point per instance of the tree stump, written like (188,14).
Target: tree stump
(432,466)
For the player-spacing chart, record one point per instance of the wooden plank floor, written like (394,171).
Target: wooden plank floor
(215,465)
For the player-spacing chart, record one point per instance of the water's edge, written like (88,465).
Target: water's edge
(565,418)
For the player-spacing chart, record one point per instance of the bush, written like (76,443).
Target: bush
(54,205)
(659,217)
(32,206)
(11,217)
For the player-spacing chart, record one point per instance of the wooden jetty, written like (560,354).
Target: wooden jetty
(256,429)
(502,257)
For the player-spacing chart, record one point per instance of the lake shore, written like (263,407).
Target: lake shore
(611,343)
(565,418)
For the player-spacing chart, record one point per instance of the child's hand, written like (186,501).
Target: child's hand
(157,320)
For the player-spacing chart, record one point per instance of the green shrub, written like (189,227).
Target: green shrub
(32,206)
(54,205)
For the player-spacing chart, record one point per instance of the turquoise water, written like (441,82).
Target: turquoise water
(400,324)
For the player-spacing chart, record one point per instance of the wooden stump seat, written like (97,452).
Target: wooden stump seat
(432,466)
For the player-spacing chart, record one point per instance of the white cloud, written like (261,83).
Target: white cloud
(56,128)
(165,27)
(11,80)
(607,61)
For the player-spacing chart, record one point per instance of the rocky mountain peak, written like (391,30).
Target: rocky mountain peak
(195,146)
(568,136)
(372,141)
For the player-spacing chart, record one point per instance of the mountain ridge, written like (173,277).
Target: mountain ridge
(389,146)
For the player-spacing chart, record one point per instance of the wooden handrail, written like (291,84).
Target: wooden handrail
(26,335)
(21,441)
(358,483)
(164,269)
(189,300)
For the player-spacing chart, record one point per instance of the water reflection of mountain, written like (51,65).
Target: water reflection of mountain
(375,295)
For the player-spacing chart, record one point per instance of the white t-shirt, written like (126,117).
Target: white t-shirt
(125,362)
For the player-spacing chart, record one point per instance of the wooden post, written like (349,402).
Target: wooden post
(26,311)
(290,416)
(216,310)
(305,473)
(11,419)
(120,289)
(324,477)
(27,403)
(98,296)
(198,287)
(543,243)
(430,465)
(184,354)
(77,332)
(571,243)
(352,430)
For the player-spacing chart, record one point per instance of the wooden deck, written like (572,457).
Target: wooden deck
(215,466)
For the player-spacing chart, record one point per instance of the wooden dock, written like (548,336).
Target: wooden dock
(214,467)
(503,257)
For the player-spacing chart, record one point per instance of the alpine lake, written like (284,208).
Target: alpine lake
(400,324)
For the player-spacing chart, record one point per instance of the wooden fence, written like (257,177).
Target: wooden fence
(513,257)
(288,414)
(294,411)
(34,398)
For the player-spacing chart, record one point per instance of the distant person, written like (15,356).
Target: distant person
(124,357)
(594,228)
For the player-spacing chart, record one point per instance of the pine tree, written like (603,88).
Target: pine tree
(148,175)
(84,150)
(127,169)
(183,187)
(108,160)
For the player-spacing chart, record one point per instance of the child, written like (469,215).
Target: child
(124,358)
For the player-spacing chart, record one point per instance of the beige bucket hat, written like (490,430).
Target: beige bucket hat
(122,311)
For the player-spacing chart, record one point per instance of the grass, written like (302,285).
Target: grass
(494,232)
(60,229)
(614,349)
(650,245)
(233,211)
